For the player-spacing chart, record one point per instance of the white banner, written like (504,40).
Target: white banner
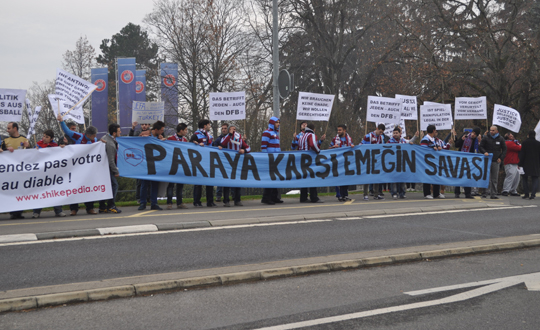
(73,88)
(12,104)
(147,112)
(383,109)
(228,106)
(389,128)
(470,108)
(410,107)
(506,117)
(33,121)
(312,106)
(437,114)
(76,114)
(37,178)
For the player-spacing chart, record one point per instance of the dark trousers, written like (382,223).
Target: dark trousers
(57,210)
(312,194)
(197,194)
(534,185)
(467,190)
(75,207)
(179,193)
(376,189)
(436,190)
(344,191)
(109,203)
(236,192)
(270,194)
(154,186)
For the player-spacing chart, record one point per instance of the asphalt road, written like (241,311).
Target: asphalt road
(65,261)
(284,301)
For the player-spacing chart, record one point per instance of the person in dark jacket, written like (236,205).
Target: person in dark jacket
(529,160)
(468,142)
(493,143)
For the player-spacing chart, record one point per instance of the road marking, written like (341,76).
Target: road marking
(350,218)
(490,286)
(349,202)
(449,211)
(140,214)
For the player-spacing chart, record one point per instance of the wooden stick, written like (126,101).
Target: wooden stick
(83,99)
(59,126)
(327,123)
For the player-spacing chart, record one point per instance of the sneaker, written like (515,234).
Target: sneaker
(35,215)
(181,206)
(380,197)
(402,197)
(346,199)
(197,204)
(484,196)
(169,206)
(525,197)
(366,197)
(238,204)
(371,193)
(103,210)
(394,196)
(156,207)
(114,209)
(226,204)
(61,214)
(532,197)
(514,194)
(340,199)
(142,207)
(505,193)
(441,196)
(211,204)
(428,197)
(218,200)
(73,212)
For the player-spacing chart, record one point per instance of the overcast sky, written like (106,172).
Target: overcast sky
(35,33)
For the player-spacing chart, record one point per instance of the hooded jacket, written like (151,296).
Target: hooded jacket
(270,137)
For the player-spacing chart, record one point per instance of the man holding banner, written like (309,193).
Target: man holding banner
(157,131)
(494,144)
(308,141)
(342,139)
(430,141)
(270,143)
(202,138)
(375,137)
(233,141)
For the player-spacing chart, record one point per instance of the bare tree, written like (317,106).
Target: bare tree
(80,60)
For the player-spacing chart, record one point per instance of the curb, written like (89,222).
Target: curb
(141,289)
(146,228)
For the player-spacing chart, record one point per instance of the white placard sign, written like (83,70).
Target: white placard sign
(537,130)
(12,104)
(37,178)
(410,107)
(72,88)
(436,114)
(389,128)
(506,117)
(312,106)
(228,106)
(383,109)
(470,108)
(76,114)
(147,112)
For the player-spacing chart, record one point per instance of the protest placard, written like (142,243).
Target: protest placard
(33,121)
(506,117)
(410,107)
(147,112)
(383,109)
(389,128)
(437,114)
(312,106)
(12,104)
(537,130)
(76,115)
(470,108)
(228,106)
(37,178)
(72,88)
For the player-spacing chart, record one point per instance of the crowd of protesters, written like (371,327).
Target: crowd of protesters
(519,160)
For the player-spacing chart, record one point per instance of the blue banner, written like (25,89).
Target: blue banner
(126,91)
(140,85)
(100,114)
(169,95)
(171,161)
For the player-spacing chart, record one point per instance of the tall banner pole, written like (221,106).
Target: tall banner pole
(73,107)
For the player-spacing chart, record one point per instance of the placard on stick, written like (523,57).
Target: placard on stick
(312,106)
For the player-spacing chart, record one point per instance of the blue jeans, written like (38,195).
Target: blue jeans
(154,185)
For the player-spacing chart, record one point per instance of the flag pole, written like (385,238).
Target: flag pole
(83,99)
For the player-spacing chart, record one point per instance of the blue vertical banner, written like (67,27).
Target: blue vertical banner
(140,85)
(126,91)
(100,96)
(169,93)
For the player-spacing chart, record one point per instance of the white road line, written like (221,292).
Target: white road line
(350,218)
(449,211)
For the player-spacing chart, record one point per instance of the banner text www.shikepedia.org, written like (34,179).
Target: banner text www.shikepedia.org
(62,193)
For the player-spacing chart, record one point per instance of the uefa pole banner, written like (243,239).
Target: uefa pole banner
(169,93)
(140,85)
(100,100)
(72,88)
(37,178)
(126,73)
(62,106)
(227,106)
(148,158)
(12,104)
